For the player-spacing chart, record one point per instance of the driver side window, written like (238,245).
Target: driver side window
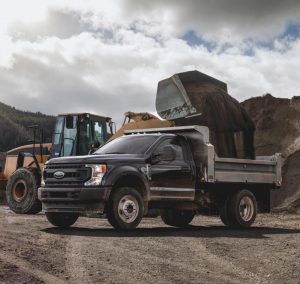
(177,147)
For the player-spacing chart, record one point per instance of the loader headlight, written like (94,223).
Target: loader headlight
(98,172)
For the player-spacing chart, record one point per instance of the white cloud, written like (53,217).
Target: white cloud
(226,20)
(108,58)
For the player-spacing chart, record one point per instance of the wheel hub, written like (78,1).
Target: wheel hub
(19,191)
(128,208)
(246,208)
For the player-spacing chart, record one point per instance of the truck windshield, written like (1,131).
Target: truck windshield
(128,145)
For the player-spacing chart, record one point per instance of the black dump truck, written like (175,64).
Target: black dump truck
(174,170)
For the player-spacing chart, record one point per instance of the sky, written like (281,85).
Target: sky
(106,57)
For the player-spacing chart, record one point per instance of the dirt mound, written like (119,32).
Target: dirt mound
(277,123)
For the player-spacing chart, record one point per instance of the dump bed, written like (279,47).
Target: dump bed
(267,170)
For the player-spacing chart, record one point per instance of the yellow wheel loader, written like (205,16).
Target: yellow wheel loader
(74,134)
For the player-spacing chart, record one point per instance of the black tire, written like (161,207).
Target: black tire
(177,218)
(62,220)
(224,212)
(22,192)
(125,209)
(242,210)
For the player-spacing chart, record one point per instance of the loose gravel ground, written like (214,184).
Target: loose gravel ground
(32,251)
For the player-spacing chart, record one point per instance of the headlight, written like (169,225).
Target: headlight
(98,172)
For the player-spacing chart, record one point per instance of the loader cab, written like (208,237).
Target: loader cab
(79,134)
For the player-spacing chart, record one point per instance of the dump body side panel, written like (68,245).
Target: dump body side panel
(246,171)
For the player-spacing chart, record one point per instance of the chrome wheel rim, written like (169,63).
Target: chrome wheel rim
(246,208)
(128,208)
(19,191)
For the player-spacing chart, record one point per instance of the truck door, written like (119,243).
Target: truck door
(172,179)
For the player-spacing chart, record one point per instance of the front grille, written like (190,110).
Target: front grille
(61,194)
(69,175)
(74,175)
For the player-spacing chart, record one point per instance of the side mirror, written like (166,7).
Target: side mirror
(167,153)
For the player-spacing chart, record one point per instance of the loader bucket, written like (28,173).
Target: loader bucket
(194,98)
(179,95)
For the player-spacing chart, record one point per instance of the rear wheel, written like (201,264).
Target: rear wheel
(177,218)
(224,212)
(21,192)
(62,220)
(125,209)
(242,209)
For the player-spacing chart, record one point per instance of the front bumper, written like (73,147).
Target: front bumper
(79,200)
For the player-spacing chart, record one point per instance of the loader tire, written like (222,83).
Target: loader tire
(22,193)
(177,218)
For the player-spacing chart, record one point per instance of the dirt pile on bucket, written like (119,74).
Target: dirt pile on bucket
(277,124)
(194,98)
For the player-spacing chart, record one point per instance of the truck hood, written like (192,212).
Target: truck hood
(94,159)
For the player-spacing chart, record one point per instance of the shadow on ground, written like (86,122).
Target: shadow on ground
(191,231)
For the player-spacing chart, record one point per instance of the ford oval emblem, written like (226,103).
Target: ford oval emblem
(59,174)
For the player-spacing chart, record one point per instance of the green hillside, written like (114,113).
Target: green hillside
(14,126)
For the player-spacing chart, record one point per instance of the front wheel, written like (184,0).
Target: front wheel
(62,220)
(242,209)
(125,209)
(177,218)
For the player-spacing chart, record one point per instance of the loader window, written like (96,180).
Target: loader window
(57,137)
(110,128)
(70,132)
(99,133)
(58,130)
(70,122)
(85,136)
